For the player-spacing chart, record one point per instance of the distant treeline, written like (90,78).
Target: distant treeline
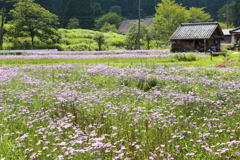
(88,10)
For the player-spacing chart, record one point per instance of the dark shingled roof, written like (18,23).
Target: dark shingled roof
(125,25)
(196,31)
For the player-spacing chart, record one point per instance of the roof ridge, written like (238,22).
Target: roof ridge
(235,29)
(201,23)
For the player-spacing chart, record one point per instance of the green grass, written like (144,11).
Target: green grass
(73,40)
(198,62)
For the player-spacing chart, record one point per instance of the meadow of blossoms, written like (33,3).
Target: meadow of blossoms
(99,111)
(97,52)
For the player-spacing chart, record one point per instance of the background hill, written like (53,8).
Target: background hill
(89,10)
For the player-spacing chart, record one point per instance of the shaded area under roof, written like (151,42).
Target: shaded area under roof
(126,24)
(196,31)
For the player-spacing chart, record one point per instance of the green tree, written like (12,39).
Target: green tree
(80,9)
(30,19)
(73,23)
(111,18)
(3,9)
(97,9)
(236,11)
(225,14)
(225,25)
(100,39)
(125,9)
(116,9)
(132,35)
(47,4)
(169,15)
(198,15)
(109,28)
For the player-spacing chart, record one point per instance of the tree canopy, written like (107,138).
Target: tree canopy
(132,35)
(81,10)
(30,19)
(169,15)
(89,10)
(73,23)
(111,18)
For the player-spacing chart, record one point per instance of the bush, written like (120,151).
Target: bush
(100,39)
(146,85)
(183,57)
(174,48)
(17,46)
(117,42)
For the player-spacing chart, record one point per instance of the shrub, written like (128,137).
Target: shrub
(174,48)
(117,42)
(100,39)
(146,85)
(183,57)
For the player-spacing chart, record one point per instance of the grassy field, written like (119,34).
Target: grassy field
(152,106)
(74,40)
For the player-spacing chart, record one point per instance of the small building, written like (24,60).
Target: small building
(227,35)
(235,33)
(198,37)
(126,24)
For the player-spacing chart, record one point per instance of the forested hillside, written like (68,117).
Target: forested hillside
(89,10)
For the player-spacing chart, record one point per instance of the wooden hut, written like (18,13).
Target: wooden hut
(235,33)
(227,35)
(198,37)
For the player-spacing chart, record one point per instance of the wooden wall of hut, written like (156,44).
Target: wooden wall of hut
(185,46)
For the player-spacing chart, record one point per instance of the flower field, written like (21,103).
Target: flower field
(110,111)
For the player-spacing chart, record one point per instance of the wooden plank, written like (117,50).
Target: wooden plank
(205,46)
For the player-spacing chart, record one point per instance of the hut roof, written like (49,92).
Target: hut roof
(197,31)
(226,32)
(236,30)
(126,24)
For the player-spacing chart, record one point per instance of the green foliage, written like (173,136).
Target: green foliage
(47,4)
(84,37)
(236,12)
(116,9)
(120,43)
(224,25)
(174,48)
(100,39)
(30,19)
(73,23)
(132,35)
(81,10)
(169,15)
(97,9)
(222,15)
(111,18)
(198,15)
(109,28)
(184,57)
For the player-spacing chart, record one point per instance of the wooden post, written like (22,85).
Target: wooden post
(194,46)
(205,46)
(219,44)
(233,37)
(211,55)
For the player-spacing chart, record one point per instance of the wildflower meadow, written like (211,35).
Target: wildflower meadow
(118,109)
